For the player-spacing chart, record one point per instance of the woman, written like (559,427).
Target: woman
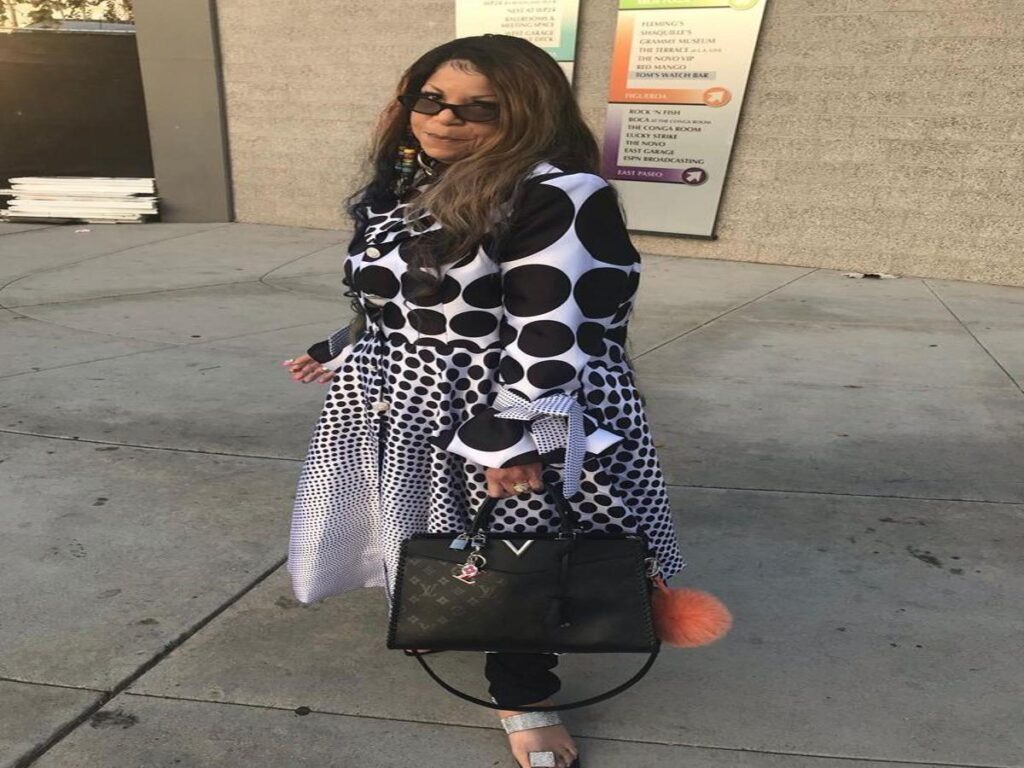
(493,279)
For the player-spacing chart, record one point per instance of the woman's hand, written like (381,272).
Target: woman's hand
(500,480)
(305,369)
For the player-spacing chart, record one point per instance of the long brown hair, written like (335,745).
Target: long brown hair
(539,120)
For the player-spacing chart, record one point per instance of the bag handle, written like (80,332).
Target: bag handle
(566,515)
(571,705)
(567,527)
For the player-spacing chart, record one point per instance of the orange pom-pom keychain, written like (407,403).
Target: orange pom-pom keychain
(688,618)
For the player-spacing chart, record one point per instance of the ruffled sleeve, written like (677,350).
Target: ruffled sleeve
(332,351)
(567,275)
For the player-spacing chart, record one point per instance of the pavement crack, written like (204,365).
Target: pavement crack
(39,228)
(804,492)
(87,714)
(726,313)
(44,684)
(578,733)
(265,275)
(978,341)
(163,348)
(128,295)
(252,281)
(86,362)
(59,267)
(144,447)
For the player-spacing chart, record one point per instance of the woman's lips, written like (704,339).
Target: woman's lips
(443,138)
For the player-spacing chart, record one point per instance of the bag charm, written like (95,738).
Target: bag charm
(688,618)
(475,562)
(470,569)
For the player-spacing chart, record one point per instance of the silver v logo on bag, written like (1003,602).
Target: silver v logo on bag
(518,551)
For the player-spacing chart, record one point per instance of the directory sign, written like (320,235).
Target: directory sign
(679,72)
(549,25)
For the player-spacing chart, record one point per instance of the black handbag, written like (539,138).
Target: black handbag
(565,592)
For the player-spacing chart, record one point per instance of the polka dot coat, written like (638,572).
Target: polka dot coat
(520,359)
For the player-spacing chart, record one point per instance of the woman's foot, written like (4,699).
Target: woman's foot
(550,738)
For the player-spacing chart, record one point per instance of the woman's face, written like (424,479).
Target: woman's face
(444,136)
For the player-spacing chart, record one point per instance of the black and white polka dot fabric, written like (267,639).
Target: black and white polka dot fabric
(516,361)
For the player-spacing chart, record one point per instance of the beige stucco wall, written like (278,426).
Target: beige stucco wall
(877,135)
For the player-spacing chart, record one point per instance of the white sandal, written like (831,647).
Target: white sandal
(528,720)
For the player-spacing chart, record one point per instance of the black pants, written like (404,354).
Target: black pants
(521,679)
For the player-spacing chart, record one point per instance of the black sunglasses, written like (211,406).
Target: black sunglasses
(425,104)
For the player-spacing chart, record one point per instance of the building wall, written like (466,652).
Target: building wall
(877,135)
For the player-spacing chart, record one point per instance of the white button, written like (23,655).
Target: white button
(380,406)
(373,253)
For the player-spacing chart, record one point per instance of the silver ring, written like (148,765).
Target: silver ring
(520,487)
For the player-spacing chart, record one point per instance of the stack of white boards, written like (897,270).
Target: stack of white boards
(95,199)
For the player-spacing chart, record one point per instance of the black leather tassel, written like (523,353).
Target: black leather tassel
(553,614)
(562,602)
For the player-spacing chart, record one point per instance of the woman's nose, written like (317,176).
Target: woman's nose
(447,116)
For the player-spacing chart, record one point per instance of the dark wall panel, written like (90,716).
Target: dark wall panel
(71,104)
(180,60)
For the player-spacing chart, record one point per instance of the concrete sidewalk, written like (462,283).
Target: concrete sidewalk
(847,467)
